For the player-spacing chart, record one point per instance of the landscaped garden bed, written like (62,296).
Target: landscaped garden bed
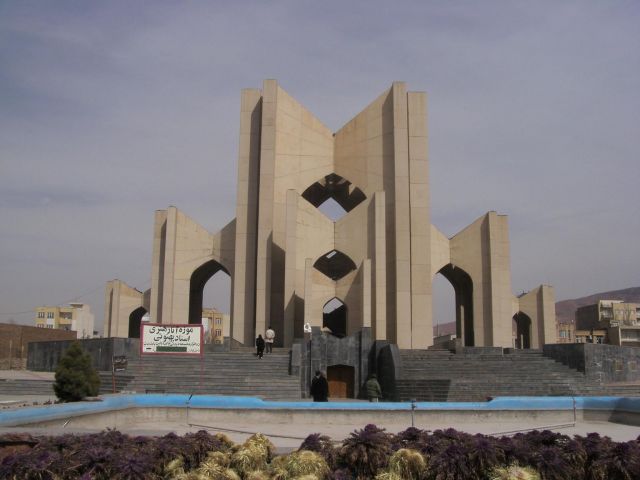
(369,453)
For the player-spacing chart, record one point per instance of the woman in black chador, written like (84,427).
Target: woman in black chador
(319,388)
(260,345)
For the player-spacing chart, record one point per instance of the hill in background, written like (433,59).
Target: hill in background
(566,309)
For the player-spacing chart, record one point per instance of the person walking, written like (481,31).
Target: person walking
(373,388)
(260,345)
(269,336)
(319,388)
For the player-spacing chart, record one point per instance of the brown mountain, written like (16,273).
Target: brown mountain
(565,310)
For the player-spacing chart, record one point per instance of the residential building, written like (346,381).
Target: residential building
(215,324)
(566,333)
(75,317)
(620,320)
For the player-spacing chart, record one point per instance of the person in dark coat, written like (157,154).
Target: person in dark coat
(260,345)
(319,388)
(373,388)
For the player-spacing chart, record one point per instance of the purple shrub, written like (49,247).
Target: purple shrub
(321,444)
(620,462)
(366,451)
(412,438)
(134,466)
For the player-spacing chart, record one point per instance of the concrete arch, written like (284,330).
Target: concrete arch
(198,279)
(523,330)
(335,264)
(336,187)
(463,287)
(336,320)
(135,319)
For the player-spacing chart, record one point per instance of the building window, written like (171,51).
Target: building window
(40,314)
(40,325)
(218,321)
(218,333)
(49,314)
(49,326)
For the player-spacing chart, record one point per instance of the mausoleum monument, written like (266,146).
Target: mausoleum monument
(287,260)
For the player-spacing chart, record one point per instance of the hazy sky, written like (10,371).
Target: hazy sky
(111,110)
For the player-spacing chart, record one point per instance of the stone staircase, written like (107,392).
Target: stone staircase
(26,387)
(238,372)
(439,375)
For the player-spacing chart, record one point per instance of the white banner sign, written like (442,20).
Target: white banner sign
(171,339)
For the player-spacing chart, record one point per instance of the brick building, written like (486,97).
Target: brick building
(15,338)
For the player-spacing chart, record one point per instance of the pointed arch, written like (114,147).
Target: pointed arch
(522,330)
(334,264)
(334,317)
(336,187)
(135,319)
(198,280)
(463,288)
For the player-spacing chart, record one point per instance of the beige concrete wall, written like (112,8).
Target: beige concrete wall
(482,251)
(120,300)
(420,231)
(243,305)
(539,305)
(296,151)
(184,246)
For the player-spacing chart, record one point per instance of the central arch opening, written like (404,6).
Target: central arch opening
(334,264)
(337,188)
(334,317)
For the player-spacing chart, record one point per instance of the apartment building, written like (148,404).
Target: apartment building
(215,323)
(75,317)
(620,320)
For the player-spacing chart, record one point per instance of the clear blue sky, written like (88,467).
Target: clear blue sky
(111,110)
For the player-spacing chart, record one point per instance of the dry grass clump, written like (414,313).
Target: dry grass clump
(257,475)
(405,464)
(253,455)
(514,472)
(300,465)
(174,468)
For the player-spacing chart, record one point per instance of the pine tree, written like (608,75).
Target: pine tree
(75,376)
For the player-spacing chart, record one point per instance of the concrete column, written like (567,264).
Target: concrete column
(110,308)
(380,267)
(500,273)
(366,293)
(308,293)
(421,297)
(290,267)
(401,213)
(157,266)
(244,279)
(547,319)
(266,199)
(169,265)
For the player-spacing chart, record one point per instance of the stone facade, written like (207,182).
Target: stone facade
(288,261)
